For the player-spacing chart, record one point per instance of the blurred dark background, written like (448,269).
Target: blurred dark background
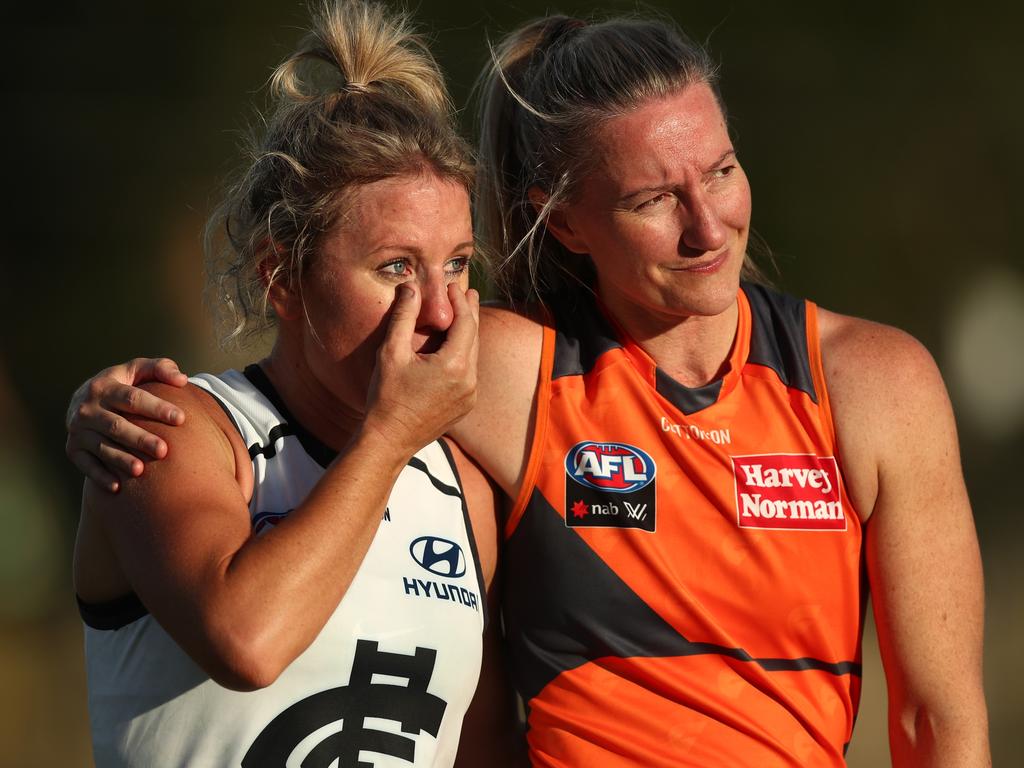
(883,143)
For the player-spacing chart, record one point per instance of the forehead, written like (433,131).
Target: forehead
(417,210)
(664,136)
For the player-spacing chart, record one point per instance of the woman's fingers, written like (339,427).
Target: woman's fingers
(160,369)
(125,398)
(91,467)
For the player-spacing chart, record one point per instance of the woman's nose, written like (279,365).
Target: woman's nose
(436,312)
(703,230)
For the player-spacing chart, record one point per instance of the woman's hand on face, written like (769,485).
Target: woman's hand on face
(101,442)
(415,397)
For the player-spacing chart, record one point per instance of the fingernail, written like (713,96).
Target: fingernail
(175,415)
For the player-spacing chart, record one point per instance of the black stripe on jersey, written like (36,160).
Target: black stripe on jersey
(470,535)
(320,453)
(442,487)
(270,449)
(778,336)
(583,334)
(577,609)
(686,399)
(112,614)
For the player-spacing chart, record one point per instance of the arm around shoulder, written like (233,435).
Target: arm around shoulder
(898,446)
(171,532)
(241,605)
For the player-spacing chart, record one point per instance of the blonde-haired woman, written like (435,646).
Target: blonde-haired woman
(305,578)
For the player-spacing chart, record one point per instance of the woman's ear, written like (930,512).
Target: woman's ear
(277,280)
(556,220)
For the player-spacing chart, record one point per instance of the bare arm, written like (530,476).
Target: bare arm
(899,449)
(241,605)
(497,433)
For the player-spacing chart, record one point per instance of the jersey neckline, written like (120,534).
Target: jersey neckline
(321,453)
(689,400)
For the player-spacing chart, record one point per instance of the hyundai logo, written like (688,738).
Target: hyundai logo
(439,556)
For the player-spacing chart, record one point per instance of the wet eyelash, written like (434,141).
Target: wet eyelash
(463,267)
(385,269)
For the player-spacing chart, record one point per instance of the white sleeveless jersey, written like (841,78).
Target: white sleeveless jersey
(386,682)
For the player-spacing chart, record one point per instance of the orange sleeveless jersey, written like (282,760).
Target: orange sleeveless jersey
(686,564)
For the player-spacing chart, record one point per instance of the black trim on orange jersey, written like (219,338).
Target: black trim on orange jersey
(112,614)
(594,613)
(778,336)
(582,334)
(686,399)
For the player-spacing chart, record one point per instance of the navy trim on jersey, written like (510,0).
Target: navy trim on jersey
(318,451)
(582,334)
(270,449)
(112,614)
(470,534)
(322,454)
(778,336)
(686,399)
(444,488)
(605,616)
(778,340)
(223,407)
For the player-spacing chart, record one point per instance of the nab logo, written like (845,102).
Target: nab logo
(439,556)
(615,467)
(610,485)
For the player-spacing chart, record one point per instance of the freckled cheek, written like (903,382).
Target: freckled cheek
(347,326)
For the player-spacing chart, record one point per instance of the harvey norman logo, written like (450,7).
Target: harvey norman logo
(794,492)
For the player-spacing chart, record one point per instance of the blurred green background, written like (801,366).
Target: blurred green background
(883,143)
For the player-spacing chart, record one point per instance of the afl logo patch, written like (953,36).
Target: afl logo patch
(615,467)
(609,485)
(439,556)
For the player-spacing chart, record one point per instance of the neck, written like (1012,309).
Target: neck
(320,412)
(694,350)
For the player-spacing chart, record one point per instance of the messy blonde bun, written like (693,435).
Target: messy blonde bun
(361,99)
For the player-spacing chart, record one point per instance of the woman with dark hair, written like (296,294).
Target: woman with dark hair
(703,475)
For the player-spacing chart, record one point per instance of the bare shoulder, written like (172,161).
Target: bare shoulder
(876,373)
(481,504)
(504,332)
(207,439)
(888,400)
(496,432)
(148,536)
(861,355)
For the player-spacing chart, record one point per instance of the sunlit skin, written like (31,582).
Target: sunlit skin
(413,228)
(665,217)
